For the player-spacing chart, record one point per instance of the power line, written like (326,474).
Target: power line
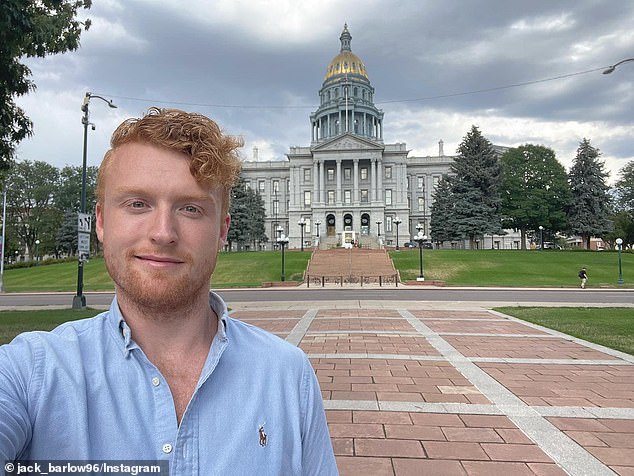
(394,101)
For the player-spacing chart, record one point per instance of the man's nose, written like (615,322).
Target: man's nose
(163,229)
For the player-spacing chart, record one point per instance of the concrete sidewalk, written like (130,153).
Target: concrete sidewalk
(414,389)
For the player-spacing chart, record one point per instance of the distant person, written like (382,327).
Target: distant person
(165,374)
(583,276)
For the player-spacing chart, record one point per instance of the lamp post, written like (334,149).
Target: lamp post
(2,244)
(37,252)
(619,244)
(317,223)
(541,238)
(283,241)
(420,239)
(397,221)
(302,224)
(79,301)
(613,67)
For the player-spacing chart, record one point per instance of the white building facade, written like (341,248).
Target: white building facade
(348,186)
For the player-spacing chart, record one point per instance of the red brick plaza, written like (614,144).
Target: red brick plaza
(411,390)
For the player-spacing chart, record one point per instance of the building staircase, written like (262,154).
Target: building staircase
(351,266)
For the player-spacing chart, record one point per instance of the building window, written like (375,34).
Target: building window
(261,186)
(388,172)
(288,186)
(388,197)
(307,198)
(331,197)
(388,224)
(276,186)
(436,180)
(347,197)
(306,175)
(421,204)
(364,173)
(247,184)
(364,196)
(276,207)
(421,183)
(331,174)
(347,174)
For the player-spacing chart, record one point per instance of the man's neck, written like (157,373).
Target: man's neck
(170,334)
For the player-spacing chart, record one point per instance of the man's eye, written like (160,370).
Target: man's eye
(137,204)
(191,209)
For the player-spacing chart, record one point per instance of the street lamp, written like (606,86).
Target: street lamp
(420,239)
(397,221)
(2,243)
(619,244)
(302,224)
(317,223)
(541,238)
(283,241)
(79,301)
(613,67)
(37,251)
(378,227)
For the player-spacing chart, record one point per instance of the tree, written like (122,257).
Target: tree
(247,216)
(30,203)
(442,212)
(535,190)
(589,212)
(66,237)
(30,28)
(625,188)
(475,188)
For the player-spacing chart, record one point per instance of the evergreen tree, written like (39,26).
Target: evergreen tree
(475,188)
(66,237)
(442,212)
(535,190)
(247,216)
(625,188)
(590,209)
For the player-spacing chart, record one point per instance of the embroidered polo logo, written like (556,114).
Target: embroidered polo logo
(262,436)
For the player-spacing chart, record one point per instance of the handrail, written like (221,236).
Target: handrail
(349,279)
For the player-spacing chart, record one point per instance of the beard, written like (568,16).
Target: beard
(159,292)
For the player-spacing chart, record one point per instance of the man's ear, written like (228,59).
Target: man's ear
(99,221)
(224,230)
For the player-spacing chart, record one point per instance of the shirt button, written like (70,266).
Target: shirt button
(167,448)
(155,381)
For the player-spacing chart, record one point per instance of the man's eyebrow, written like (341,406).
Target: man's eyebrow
(134,191)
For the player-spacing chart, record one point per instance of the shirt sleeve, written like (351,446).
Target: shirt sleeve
(317,454)
(16,376)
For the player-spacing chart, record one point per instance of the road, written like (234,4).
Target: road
(499,296)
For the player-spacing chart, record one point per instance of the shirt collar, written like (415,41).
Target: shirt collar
(123,333)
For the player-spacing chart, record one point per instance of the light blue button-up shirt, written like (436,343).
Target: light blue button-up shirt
(86,391)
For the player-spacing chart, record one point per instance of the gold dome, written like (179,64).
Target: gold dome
(346,62)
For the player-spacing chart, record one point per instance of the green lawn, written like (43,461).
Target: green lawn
(515,268)
(13,323)
(611,327)
(454,267)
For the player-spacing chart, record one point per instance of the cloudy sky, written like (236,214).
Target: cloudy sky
(524,72)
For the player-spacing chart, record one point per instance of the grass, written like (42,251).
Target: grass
(454,267)
(612,327)
(514,268)
(13,323)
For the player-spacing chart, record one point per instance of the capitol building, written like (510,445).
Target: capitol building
(348,186)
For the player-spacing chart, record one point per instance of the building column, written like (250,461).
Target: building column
(338,193)
(322,181)
(380,196)
(373,180)
(315,197)
(355,178)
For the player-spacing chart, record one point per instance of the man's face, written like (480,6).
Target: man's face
(161,230)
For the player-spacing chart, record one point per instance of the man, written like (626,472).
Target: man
(165,374)
(583,276)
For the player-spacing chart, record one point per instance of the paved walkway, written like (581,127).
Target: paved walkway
(456,390)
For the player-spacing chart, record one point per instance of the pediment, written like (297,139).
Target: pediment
(347,142)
